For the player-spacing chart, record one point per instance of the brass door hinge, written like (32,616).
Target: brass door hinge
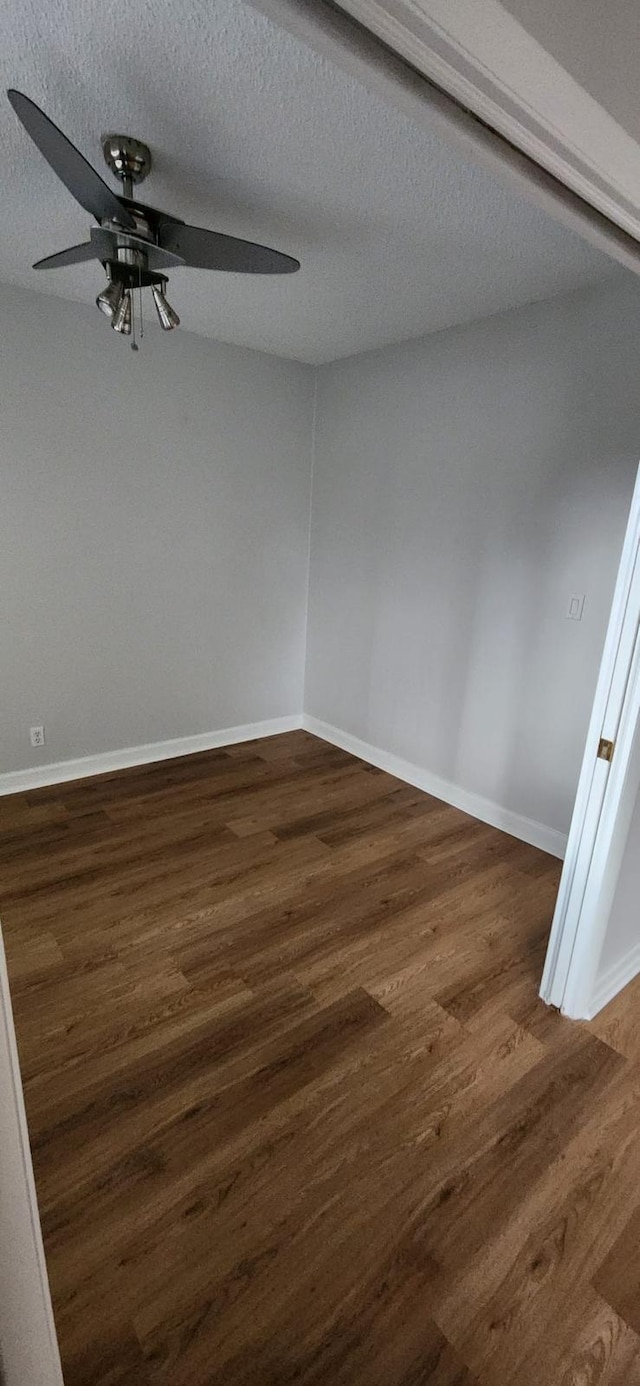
(606,749)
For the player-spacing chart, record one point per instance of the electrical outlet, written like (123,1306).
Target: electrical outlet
(37,736)
(575,608)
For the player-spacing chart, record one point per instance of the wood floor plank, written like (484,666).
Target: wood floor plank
(618,1022)
(297,1113)
(618,1278)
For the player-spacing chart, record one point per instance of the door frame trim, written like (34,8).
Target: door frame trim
(450,96)
(28,1342)
(604,801)
(478,53)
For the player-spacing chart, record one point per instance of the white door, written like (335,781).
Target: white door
(607,789)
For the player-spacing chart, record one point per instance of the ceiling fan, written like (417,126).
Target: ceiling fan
(134,243)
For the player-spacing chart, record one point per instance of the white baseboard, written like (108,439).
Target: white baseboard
(614,979)
(527,829)
(16,781)
(57,772)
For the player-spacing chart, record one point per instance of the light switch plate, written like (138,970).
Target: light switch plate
(575,608)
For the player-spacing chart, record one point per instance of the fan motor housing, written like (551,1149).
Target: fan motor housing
(127,157)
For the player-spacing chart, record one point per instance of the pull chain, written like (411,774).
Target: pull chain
(132,295)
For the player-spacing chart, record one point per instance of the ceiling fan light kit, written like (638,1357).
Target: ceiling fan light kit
(167,315)
(121,320)
(135,243)
(109,300)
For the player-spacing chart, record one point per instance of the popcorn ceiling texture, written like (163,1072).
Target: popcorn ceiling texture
(254,134)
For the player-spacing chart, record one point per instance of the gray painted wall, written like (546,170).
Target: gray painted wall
(153,533)
(465,486)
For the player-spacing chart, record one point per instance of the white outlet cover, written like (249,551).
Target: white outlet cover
(575,608)
(36,736)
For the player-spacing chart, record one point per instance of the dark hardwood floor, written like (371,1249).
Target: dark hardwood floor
(297,1114)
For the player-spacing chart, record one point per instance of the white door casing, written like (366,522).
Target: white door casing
(482,56)
(28,1345)
(413,80)
(605,798)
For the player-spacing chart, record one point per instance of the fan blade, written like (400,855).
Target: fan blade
(70,165)
(160,259)
(73,256)
(211,250)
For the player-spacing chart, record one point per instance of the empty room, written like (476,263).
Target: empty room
(319,557)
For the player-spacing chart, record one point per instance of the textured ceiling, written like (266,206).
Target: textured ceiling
(254,134)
